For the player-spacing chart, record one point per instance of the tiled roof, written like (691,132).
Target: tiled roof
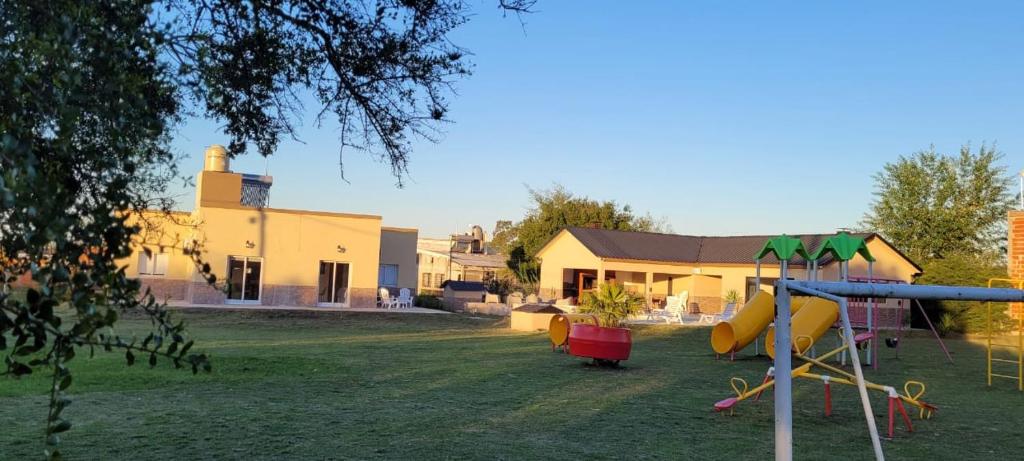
(649,246)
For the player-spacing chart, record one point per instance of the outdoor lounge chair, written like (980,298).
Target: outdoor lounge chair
(674,308)
(677,309)
(726,314)
(386,301)
(404,299)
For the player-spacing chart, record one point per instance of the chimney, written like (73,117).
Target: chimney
(216,159)
(478,239)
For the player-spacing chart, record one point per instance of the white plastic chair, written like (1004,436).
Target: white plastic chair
(726,314)
(674,308)
(404,299)
(386,301)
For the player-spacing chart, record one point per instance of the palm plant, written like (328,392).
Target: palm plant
(611,303)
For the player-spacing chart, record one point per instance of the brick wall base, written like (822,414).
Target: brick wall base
(362,297)
(203,293)
(165,289)
(278,295)
(288,295)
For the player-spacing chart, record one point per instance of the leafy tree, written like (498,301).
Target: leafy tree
(552,211)
(90,95)
(932,205)
(501,235)
(611,303)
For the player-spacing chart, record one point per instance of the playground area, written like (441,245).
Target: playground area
(308,385)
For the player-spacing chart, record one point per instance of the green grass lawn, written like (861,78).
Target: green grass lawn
(314,385)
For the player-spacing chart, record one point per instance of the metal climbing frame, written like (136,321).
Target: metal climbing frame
(990,333)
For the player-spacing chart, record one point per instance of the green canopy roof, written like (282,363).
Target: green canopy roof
(783,247)
(844,247)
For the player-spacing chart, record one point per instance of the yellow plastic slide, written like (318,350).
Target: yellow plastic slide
(734,334)
(815,318)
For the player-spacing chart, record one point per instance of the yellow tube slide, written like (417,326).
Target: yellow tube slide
(812,321)
(744,327)
(558,329)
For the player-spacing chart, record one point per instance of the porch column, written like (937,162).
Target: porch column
(649,288)
(600,275)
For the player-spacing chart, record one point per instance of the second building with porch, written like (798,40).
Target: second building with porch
(656,265)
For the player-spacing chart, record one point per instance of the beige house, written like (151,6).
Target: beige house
(707,268)
(268,256)
(461,257)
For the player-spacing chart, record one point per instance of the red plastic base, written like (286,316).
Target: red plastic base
(600,343)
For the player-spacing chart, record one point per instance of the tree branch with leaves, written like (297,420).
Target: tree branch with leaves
(90,96)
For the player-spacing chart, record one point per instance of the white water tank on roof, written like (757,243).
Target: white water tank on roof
(216,158)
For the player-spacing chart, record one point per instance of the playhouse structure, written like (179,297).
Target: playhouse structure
(798,326)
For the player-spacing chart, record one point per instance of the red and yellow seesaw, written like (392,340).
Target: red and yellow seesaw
(912,390)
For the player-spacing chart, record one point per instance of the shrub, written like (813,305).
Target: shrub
(611,304)
(429,302)
(951,322)
(501,286)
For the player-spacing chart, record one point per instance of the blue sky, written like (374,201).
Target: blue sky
(720,117)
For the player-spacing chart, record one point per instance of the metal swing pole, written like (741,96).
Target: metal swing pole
(899,323)
(757,287)
(872,350)
(783,364)
(844,316)
(934,332)
(843,275)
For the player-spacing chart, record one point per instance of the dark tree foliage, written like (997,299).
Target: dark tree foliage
(382,68)
(552,211)
(90,93)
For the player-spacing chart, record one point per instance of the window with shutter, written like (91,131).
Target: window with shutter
(388,275)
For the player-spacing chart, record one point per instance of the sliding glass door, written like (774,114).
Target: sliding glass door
(333,289)
(244,279)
